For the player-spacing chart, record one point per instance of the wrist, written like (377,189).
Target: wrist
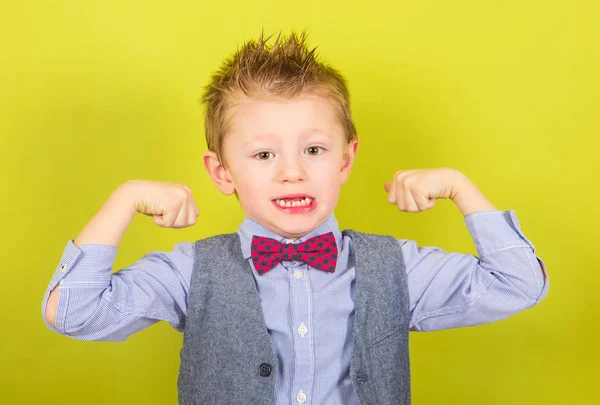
(468,198)
(124,198)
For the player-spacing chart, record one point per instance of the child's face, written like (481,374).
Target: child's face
(287,159)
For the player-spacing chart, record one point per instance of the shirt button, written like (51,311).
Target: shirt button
(302,329)
(301,397)
(63,267)
(298,273)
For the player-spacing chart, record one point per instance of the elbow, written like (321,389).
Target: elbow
(81,323)
(534,295)
(52,307)
(534,287)
(51,316)
(542,283)
(543,291)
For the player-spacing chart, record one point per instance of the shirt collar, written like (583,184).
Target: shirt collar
(250,228)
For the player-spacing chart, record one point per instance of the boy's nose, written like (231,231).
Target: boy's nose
(290,171)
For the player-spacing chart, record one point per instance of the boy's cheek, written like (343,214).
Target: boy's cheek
(249,194)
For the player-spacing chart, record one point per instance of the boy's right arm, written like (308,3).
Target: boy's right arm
(154,288)
(107,227)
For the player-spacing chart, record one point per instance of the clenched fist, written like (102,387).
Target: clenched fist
(171,204)
(417,190)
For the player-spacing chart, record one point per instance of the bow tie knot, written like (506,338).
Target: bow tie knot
(319,252)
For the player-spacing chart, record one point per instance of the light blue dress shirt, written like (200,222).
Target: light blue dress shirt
(308,313)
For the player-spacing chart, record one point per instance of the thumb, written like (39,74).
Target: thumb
(387,186)
(165,220)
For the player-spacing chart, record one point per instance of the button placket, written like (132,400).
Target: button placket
(302,329)
(301,302)
(301,397)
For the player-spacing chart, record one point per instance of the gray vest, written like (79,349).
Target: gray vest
(227,356)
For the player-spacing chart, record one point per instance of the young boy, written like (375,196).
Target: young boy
(290,309)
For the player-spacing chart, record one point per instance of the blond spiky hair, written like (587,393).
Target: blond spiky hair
(287,68)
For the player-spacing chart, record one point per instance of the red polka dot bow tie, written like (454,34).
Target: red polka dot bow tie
(319,252)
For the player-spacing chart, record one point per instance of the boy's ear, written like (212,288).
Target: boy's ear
(348,160)
(217,172)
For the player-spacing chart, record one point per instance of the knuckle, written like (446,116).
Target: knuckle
(182,193)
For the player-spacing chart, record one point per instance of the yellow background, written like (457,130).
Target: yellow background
(94,93)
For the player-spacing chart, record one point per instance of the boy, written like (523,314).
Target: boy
(289,309)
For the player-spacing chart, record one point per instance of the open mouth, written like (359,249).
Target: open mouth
(293,202)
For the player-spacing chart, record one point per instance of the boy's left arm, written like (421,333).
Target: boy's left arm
(449,290)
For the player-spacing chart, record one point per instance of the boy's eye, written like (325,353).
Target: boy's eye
(313,150)
(263,155)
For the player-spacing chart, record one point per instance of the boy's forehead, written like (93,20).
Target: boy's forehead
(305,103)
(301,115)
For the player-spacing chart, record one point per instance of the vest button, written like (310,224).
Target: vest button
(264,370)
(361,378)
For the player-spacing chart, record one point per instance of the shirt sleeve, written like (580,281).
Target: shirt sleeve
(451,290)
(97,304)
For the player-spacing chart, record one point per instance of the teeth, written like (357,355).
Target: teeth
(300,203)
